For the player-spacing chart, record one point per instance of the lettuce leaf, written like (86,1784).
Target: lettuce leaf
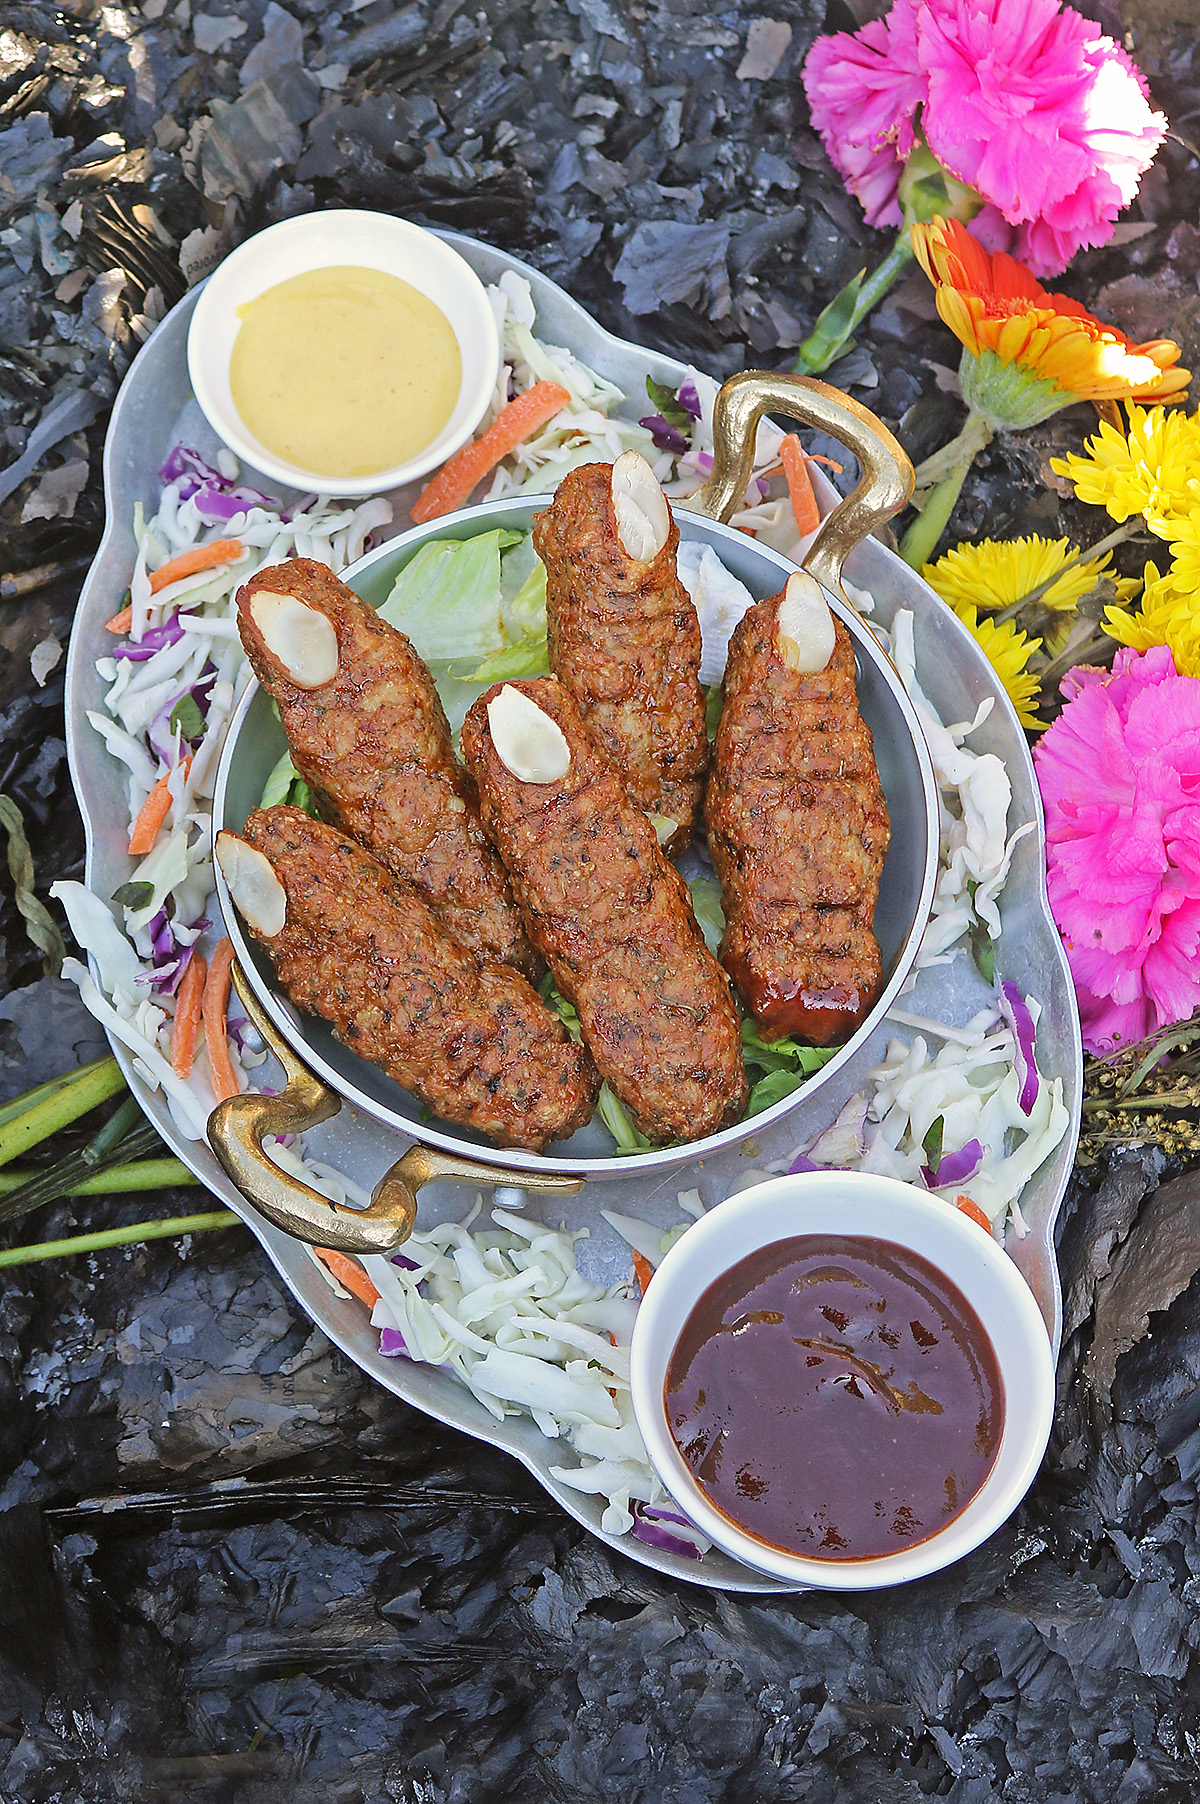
(706,906)
(523,607)
(781,1055)
(285,784)
(448,599)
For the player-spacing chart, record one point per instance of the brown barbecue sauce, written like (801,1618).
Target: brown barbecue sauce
(836,1398)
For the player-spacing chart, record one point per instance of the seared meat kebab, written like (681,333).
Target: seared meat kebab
(358,946)
(368,732)
(608,912)
(623,635)
(797,823)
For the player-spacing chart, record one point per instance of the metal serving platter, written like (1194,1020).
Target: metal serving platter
(154,409)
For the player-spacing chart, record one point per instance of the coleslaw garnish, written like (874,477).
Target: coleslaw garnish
(953,1119)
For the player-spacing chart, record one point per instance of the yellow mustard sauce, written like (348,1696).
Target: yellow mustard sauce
(344,371)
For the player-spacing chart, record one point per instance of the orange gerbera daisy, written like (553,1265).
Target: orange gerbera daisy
(1030,352)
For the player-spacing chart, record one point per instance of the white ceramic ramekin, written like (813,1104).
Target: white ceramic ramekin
(854,1204)
(329,240)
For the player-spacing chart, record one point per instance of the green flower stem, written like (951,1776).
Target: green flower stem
(1098,649)
(142,1174)
(969,442)
(1129,531)
(121,1122)
(917,545)
(120,1237)
(19,1104)
(56,1180)
(83,1090)
(831,334)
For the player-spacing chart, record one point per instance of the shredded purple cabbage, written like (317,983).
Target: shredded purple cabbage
(405,1263)
(217,497)
(954,1168)
(688,398)
(1015,1011)
(391,1344)
(169,959)
(212,505)
(801,1163)
(156,637)
(649,1525)
(666,437)
(162,740)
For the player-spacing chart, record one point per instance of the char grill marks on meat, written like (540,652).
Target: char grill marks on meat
(375,742)
(624,640)
(613,920)
(360,948)
(797,829)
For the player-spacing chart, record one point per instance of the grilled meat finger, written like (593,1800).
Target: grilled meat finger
(797,828)
(358,946)
(367,730)
(623,635)
(608,912)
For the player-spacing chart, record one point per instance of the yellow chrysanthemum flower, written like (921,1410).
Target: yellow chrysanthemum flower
(1154,469)
(997,573)
(1169,615)
(1184,535)
(1008,651)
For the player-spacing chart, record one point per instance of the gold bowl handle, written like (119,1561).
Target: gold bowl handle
(884,486)
(236,1128)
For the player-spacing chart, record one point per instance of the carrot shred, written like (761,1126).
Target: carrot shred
(970,1207)
(212,1010)
(152,813)
(519,420)
(120,623)
(185,1028)
(643,1271)
(800,488)
(350,1273)
(198,557)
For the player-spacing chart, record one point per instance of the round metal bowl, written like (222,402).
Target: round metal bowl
(256,741)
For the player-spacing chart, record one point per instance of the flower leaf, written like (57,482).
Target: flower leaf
(40,925)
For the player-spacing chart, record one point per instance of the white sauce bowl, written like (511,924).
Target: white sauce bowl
(330,240)
(855,1204)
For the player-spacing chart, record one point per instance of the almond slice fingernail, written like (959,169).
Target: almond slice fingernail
(529,745)
(257,893)
(301,637)
(642,515)
(804,631)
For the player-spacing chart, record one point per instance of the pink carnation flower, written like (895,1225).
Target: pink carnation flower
(1119,772)
(1031,106)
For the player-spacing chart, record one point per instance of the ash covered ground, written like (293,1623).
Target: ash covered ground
(230,1567)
